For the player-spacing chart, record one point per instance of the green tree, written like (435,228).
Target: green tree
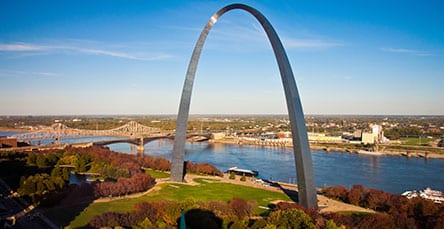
(82,164)
(52,159)
(41,161)
(31,159)
(60,172)
(332,225)
(290,218)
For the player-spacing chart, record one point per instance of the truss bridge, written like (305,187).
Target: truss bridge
(58,130)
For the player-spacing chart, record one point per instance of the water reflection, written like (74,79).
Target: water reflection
(78,178)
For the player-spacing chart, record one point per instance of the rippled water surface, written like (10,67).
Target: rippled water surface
(390,173)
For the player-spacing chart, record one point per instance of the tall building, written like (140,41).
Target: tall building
(376,136)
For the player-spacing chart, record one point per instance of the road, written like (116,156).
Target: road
(26,217)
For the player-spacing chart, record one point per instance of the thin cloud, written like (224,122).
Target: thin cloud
(309,43)
(247,34)
(252,35)
(20,47)
(117,54)
(407,51)
(34,49)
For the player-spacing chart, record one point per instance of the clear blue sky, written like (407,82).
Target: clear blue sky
(130,57)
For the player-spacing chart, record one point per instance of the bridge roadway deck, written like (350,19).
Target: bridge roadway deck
(137,141)
(134,141)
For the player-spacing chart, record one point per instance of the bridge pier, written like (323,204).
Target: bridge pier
(141,146)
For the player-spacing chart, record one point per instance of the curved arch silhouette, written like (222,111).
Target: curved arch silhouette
(302,154)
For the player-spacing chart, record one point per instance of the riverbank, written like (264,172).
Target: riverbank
(386,149)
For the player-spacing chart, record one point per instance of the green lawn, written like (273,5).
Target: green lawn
(208,189)
(415,141)
(157,174)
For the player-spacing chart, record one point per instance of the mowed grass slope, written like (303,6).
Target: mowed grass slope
(157,174)
(206,190)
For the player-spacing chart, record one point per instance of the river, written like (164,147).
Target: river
(389,173)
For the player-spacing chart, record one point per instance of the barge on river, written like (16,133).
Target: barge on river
(243,172)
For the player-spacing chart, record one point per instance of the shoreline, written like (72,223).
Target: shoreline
(382,150)
(386,150)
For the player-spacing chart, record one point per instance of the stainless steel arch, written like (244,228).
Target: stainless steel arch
(302,154)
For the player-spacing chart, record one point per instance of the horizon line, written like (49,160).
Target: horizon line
(209,114)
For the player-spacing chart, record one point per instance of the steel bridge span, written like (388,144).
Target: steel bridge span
(58,131)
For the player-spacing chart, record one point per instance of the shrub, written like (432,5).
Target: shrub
(290,218)
(260,223)
(237,225)
(243,178)
(232,176)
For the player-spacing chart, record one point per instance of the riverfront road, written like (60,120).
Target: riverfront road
(27,217)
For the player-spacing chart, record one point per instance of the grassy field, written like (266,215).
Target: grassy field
(157,174)
(415,141)
(206,190)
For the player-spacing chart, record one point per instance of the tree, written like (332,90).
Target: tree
(290,218)
(377,220)
(332,225)
(357,195)
(31,159)
(240,207)
(41,161)
(336,192)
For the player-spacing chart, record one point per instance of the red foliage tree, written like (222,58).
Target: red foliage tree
(336,192)
(138,183)
(357,194)
(240,207)
(110,219)
(144,210)
(203,168)
(377,220)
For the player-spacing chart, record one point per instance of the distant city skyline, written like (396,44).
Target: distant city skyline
(85,58)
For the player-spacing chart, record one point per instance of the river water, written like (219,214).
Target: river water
(389,173)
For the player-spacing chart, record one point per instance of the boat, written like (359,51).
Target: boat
(427,193)
(243,172)
(372,153)
(410,194)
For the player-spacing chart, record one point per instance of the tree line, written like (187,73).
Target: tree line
(396,211)
(121,174)
(236,213)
